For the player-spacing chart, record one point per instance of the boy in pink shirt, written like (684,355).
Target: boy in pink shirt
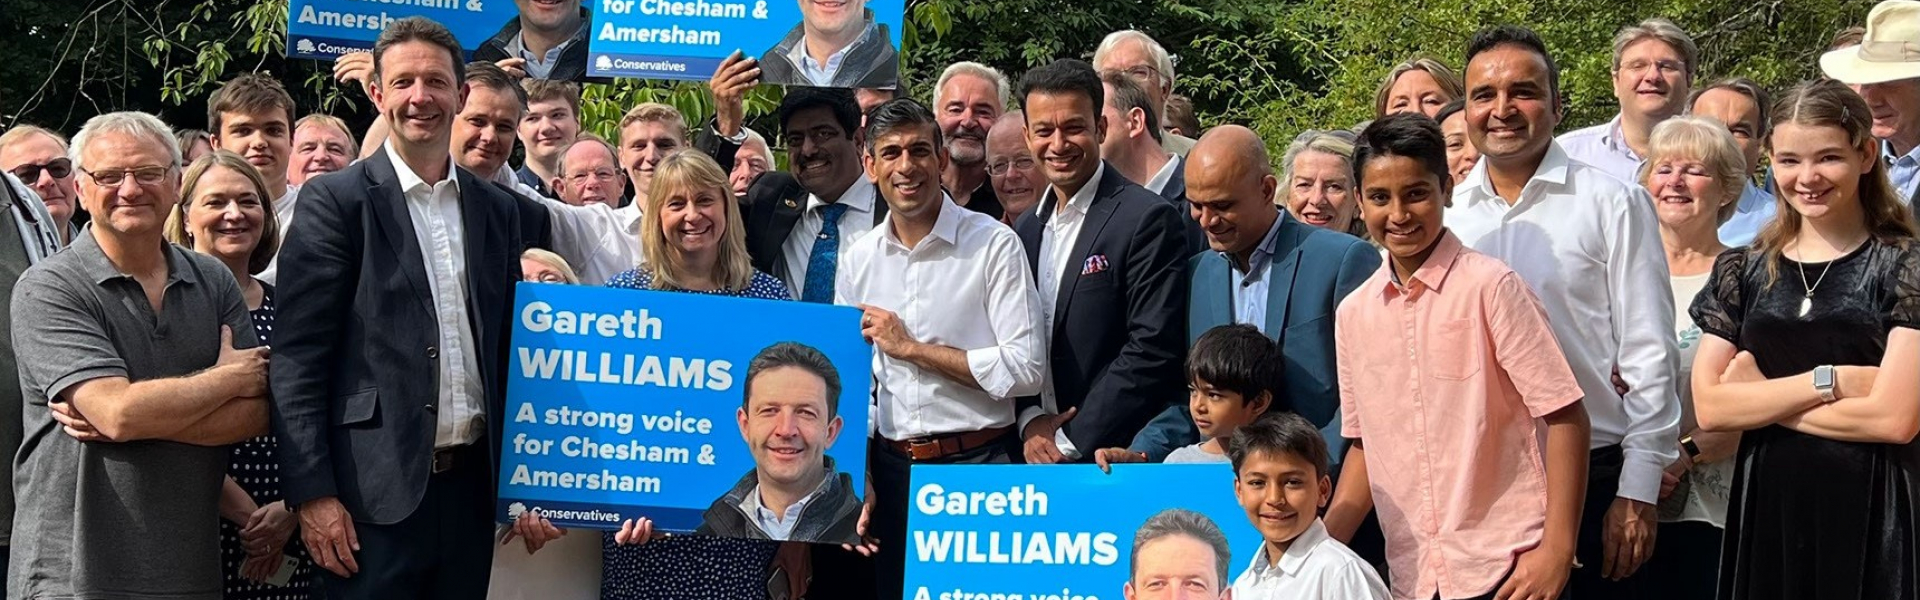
(1471,440)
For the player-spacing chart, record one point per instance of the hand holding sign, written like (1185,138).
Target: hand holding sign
(730,83)
(1040,446)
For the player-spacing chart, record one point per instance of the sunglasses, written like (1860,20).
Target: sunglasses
(59,168)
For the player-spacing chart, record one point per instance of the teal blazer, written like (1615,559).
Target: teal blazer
(1312,270)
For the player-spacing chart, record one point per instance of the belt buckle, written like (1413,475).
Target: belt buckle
(442,461)
(923,448)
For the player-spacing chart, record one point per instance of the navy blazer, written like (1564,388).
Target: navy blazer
(1176,193)
(356,345)
(1312,270)
(1115,347)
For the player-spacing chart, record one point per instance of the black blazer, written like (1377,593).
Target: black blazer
(1176,194)
(355,340)
(1119,334)
(773,205)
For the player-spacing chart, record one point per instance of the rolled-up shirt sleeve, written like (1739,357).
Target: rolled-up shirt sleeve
(1012,367)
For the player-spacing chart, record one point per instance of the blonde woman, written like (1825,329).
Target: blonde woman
(226,212)
(1421,85)
(1695,173)
(541,266)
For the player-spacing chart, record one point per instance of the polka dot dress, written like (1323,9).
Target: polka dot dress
(254,465)
(690,568)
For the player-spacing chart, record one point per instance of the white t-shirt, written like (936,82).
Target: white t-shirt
(1703,494)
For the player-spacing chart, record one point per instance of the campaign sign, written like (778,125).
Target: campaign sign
(687,39)
(1052,532)
(326,29)
(624,404)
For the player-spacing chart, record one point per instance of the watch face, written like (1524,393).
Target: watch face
(1823,377)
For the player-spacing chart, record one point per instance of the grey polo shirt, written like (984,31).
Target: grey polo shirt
(116,520)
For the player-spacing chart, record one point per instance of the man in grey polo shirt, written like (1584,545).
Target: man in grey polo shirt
(133,386)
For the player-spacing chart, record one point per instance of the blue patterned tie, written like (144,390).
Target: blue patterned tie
(825,258)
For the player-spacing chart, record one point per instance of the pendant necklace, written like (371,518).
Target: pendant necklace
(1806,304)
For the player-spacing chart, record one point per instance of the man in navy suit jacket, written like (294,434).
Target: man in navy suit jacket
(1109,256)
(1267,270)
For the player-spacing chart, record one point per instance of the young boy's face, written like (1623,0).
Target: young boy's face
(1282,493)
(1403,204)
(265,139)
(1217,411)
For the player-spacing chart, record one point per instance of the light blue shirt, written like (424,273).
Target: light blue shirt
(778,526)
(1754,211)
(538,67)
(1250,287)
(1904,171)
(821,74)
(1604,147)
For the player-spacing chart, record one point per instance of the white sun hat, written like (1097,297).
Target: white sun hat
(1890,51)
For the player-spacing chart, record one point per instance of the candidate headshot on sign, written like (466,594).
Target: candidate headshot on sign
(789,417)
(550,35)
(1178,553)
(837,44)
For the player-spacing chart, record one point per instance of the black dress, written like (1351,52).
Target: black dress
(1814,518)
(254,465)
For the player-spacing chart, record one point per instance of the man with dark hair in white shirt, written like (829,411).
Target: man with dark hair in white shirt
(950,305)
(1589,246)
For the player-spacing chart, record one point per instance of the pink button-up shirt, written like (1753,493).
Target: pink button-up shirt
(1445,380)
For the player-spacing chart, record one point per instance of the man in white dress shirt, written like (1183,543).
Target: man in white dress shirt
(950,306)
(1653,66)
(1588,244)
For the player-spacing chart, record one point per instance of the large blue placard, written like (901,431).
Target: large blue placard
(326,29)
(687,39)
(1052,532)
(625,403)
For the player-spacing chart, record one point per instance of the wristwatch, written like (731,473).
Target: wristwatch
(1823,382)
(739,138)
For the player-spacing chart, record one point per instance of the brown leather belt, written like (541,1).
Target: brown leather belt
(941,446)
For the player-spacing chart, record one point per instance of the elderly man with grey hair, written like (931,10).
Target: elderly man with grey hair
(138,367)
(1654,62)
(1173,547)
(967,100)
(1138,56)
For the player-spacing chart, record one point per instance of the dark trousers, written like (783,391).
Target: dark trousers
(839,574)
(1603,484)
(442,551)
(1685,563)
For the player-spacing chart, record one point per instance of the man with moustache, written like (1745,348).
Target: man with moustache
(949,304)
(550,35)
(252,116)
(38,157)
(1109,256)
(836,44)
(1653,67)
(1010,166)
(389,360)
(1588,244)
(551,123)
(1742,106)
(1133,148)
(968,100)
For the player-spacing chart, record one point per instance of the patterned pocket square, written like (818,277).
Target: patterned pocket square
(1095,264)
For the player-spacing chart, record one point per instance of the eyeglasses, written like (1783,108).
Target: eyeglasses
(549,277)
(602,175)
(146,176)
(1668,67)
(1024,163)
(59,168)
(1143,74)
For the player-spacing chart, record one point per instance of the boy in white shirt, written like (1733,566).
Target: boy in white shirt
(1280,477)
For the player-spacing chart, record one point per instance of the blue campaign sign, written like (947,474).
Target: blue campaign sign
(1052,532)
(626,403)
(326,29)
(687,39)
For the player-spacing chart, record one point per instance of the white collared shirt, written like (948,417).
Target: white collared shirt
(1755,210)
(1313,567)
(818,73)
(283,216)
(854,224)
(1158,183)
(966,285)
(597,240)
(538,67)
(1589,246)
(1604,147)
(435,211)
(1062,230)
